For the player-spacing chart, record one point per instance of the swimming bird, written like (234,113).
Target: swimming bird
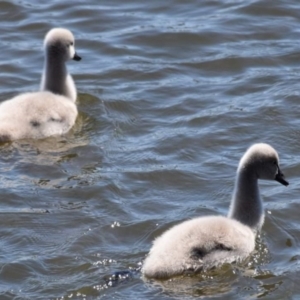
(51,111)
(207,242)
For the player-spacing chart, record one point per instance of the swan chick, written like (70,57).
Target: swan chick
(51,111)
(210,241)
(59,47)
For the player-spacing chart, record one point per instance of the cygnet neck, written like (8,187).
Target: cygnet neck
(246,205)
(55,74)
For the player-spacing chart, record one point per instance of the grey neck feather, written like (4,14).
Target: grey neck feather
(246,205)
(55,73)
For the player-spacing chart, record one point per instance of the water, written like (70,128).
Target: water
(171,94)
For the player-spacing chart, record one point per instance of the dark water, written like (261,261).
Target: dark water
(171,94)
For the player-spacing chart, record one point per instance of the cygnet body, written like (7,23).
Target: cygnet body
(52,111)
(207,242)
(36,115)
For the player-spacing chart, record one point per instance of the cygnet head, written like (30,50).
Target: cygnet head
(60,42)
(263,161)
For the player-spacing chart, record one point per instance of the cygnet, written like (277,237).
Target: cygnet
(52,111)
(207,242)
